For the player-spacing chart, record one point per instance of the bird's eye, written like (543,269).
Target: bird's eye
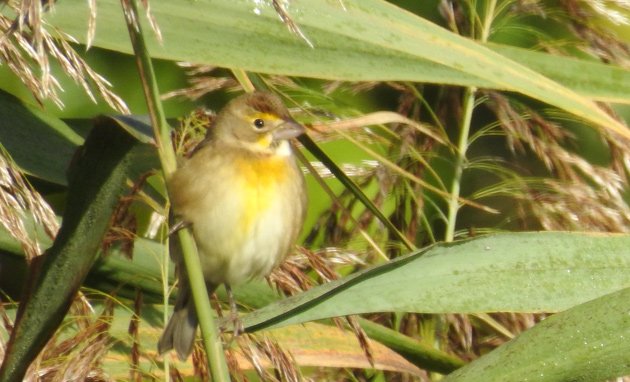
(259,123)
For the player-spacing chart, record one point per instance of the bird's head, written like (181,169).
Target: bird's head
(258,121)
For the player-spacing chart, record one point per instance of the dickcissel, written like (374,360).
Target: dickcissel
(243,196)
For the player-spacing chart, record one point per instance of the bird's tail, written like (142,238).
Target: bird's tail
(181,329)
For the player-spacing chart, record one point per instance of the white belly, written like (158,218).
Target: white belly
(231,253)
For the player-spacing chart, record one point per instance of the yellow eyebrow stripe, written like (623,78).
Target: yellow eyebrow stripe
(265,116)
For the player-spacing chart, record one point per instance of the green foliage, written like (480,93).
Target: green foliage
(552,271)
(472,118)
(585,343)
(97,179)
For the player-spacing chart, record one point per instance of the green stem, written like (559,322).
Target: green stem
(207,322)
(462,145)
(417,352)
(214,349)
(243,79)
(161,129)
(487,21)
(165,296)
(460,163)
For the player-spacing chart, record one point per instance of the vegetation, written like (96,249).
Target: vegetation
(444,137)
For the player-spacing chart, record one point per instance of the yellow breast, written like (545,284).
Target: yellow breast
(261,180)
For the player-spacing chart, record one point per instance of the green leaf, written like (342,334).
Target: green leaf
(516,272)
(353,40)
(586,343)
(590,79)
(41,145)
(109,157)
(117,274)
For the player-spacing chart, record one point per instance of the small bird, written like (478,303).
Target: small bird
(243,195)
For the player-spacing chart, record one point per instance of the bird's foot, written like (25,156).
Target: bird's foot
(234,319)
(178,226)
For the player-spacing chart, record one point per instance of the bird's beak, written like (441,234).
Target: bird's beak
(287,130)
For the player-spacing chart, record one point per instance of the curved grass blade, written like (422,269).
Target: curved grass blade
(312,147)
(108,158)
(586,343)
(515,272)
(40,144)
(365,40)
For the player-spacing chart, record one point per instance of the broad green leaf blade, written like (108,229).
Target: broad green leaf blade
(116,274)
(109,157)
(41,145)
(516,272)
(590,79)
(229,34)
(586,343)
(371,38)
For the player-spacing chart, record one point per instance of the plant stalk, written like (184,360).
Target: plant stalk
(161,130)
(487,21)
(462,145)
(213,346)
(460,163)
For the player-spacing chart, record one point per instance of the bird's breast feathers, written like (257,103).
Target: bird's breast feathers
(244,218)
(261,183)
